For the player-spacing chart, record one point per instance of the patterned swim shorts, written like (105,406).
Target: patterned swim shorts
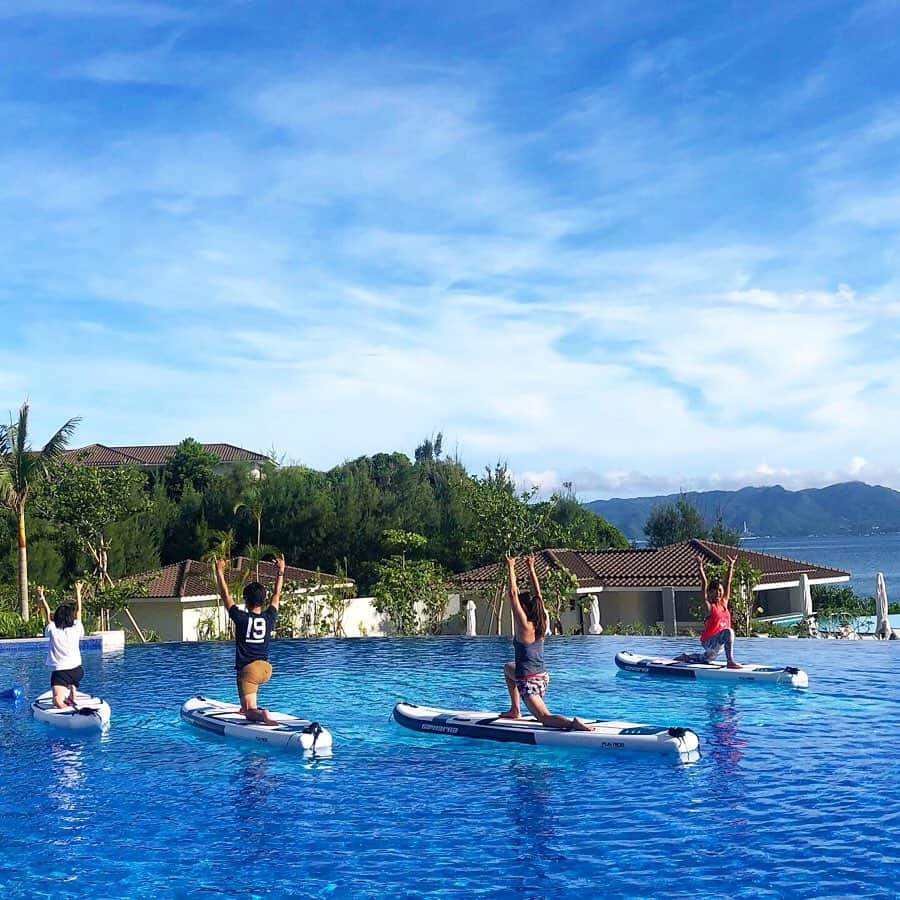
(714,643)
(533,685)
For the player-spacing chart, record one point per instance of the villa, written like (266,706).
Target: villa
(151,458)
(180,601)
(655,586)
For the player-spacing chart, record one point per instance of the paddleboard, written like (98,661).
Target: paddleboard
(88,714)
(605,736)
(301,735)
(671,668)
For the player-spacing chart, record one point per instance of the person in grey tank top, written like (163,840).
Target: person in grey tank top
(527,678)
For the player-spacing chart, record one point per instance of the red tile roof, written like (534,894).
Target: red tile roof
(672,566)
(190,578)
(154,455)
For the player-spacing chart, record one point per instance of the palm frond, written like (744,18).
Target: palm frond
(256,554)
(22,430)
(56,446)
(7,493)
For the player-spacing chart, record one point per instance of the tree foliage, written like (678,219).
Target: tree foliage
(21,471)
(411,593)
(88,501)
(189,466)
(354,518)
(671,523)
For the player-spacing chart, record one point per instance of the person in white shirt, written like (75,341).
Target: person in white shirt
(64,629)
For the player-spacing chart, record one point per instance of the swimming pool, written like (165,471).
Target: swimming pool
(796,792)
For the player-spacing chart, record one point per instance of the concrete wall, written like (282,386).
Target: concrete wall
(361,620)
(179,619)
(174,618)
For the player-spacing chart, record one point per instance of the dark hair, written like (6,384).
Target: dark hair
(64,617)
(714,586)
(254,594)
(535,612)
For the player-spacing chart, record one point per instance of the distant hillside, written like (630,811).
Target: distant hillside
(849,508)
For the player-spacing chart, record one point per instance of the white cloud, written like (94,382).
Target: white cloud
(361,257)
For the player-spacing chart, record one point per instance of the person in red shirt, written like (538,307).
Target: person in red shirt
(718,632)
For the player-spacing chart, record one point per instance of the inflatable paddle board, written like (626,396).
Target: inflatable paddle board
(88,714)
(671,668)
(604,736)
(301,735)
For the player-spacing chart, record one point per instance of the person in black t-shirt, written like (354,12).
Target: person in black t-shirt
(252,630)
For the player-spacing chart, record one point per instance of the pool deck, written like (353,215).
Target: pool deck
(102,641)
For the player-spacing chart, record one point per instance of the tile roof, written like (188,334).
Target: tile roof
(190,578)
(154,454)
(672,566)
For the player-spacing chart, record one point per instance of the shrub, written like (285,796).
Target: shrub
(12,625)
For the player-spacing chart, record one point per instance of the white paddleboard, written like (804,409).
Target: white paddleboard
(604,736)
(301,735)
(671,668)
(88,714)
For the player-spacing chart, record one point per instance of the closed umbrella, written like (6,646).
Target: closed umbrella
(595,627)
(882,623)
(808,614)
(470,619)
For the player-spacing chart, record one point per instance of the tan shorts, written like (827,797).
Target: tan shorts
(252,676)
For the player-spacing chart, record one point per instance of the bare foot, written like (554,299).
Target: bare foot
(259,717)
(733,665)
(511,714)
(578,725)
(682,657)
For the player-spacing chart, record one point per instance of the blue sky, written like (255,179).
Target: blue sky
(639,247)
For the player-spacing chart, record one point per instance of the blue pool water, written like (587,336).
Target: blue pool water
(796,793)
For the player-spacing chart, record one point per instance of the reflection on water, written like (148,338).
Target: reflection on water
(726,744)
(531,814)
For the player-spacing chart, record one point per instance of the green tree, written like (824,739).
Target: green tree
(578,528)
(720,533)
(189,466)
(21,470)
(402,584)
(88,501)
(505,521)
(670,523)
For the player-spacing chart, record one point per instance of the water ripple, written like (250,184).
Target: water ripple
(794,795)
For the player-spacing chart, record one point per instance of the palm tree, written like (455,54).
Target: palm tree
(252,502)
(21,469)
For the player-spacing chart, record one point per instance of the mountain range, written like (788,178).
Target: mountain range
(848,508)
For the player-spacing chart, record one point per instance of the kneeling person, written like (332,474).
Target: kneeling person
(252,630)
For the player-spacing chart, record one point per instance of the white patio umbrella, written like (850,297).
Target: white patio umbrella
(470,619)
(882,624)
(595,627)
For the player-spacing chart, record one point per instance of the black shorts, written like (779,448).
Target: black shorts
(67,677)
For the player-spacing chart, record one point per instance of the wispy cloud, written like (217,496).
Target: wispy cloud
(630,270)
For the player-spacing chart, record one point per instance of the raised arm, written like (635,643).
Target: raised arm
(223,586)
(279,582)
(78,589)
(45,609)
(703,582)
(732,561)
(513,589)
(532,574)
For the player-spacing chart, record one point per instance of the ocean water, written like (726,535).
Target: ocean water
(863,556)
(795,793)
